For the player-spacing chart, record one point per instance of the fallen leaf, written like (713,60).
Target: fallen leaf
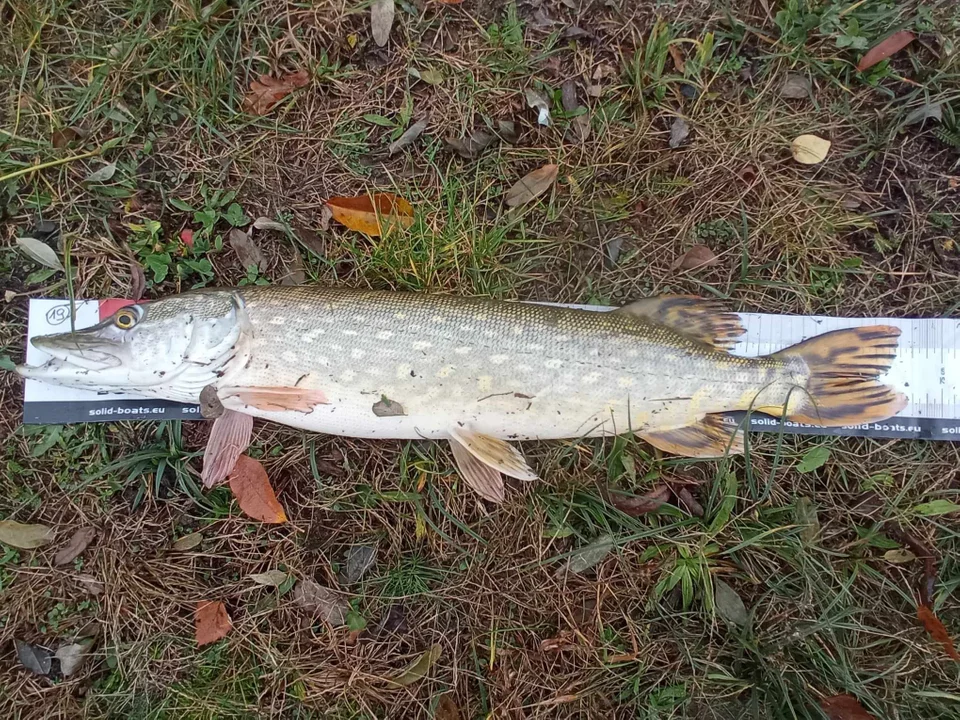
(538,102)
(810,149)
(104,174)
(796,87)
(33,657)
(899,556)
(729,604)
(579,129)
(359,559)
(381,20)
(25,537)
(266,92)
(230,436)
(311,596)
(676,54)
(612,250)
(447,708)
(642,504)
(926,111)
(138,281)
(73,549)
(699,256)
(296,272)
(575,32)
(936,507)
(587,556)
(186,237)
(885,48)
(212,622)
(568,95)
(679,131)
(90,584)
(40,252)
(187,542)
(265,223)
(72,656)
(372,214)
(844,707)
(270,578)
(246,250)
(471,147)
(251,487)
(507,130)
(531,186)
(418,668)
(937,631)
(690,503)
(311,240)
(558,643)
(813,459)
(64,136)
(385,407)
(394,622)
(431,76)
(805,515)
(411,134)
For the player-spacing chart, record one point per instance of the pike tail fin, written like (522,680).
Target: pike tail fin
(843,388)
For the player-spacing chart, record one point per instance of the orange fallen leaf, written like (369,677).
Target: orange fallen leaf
(885,48)
(211,621)
(937,631)
(268,91)
(844,707)
(372,214)
(676,54)
(699,256)
(251,486)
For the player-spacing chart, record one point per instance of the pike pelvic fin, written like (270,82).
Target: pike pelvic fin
(229,438)
(482,458)
(698,318)
(707,438)
(275,399)
(843,388)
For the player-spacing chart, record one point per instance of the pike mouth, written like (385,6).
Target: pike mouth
(77,351)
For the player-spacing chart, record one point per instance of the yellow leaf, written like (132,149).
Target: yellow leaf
(420,667)
(899,556)
(372,214)
(810,149)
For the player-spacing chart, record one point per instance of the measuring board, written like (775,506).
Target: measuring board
(926,370)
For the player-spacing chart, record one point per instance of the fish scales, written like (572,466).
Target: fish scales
(511,370)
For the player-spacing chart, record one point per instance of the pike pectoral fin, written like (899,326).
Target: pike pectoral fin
(487,481)
(277,399)
(708,438)
(696,317)
(496,453)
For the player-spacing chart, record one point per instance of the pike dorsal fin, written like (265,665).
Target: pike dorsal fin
(698,318)
(482,458)
(708,438)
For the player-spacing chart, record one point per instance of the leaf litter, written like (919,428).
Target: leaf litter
(885,48)
(418,669)
(247,251)
(40,252)
(699,256)
(211,622)
(810,149)
(372,214)
(255,496)
(25,536)
(358,560)
(531,186)
(78,543)
(381,20)
(729,604)
(537,101)
(266,92)
(35,658)
(328,604)
(408,137)
(587,556)
(844,707)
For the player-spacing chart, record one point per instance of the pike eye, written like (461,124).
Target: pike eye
(125,319)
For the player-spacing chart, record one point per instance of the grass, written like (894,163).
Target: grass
(155,86)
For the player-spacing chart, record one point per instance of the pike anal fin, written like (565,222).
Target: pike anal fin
(706,321)
(482,458)
(708,438)
(275,399)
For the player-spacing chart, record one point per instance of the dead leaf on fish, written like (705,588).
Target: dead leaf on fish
(73,549)
(251,486)
(25,537)
(885,48)
(385,407)
(211,622)
(699,256)
(268,91)
(372,214)
(810,149)
(381,20)
(531,186)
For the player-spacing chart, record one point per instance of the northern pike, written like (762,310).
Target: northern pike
(477,373)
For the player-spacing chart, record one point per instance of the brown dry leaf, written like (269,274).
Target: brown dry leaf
(25,537)
(810,149)
(211,621)
(246,250)
(311,596)
(676,54)
(844,707)
(532,185)
(699,256)
(796,87)
(472,145)
(937,631)
(296,272)
(372,214)
(381,20)
(446,708)
(417,669)
(90,584)
(688,501)
(411,134)
(266,92)
(636,506)
(885,48)
(251,487)
(63,137)
(73,549)
(187,542)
